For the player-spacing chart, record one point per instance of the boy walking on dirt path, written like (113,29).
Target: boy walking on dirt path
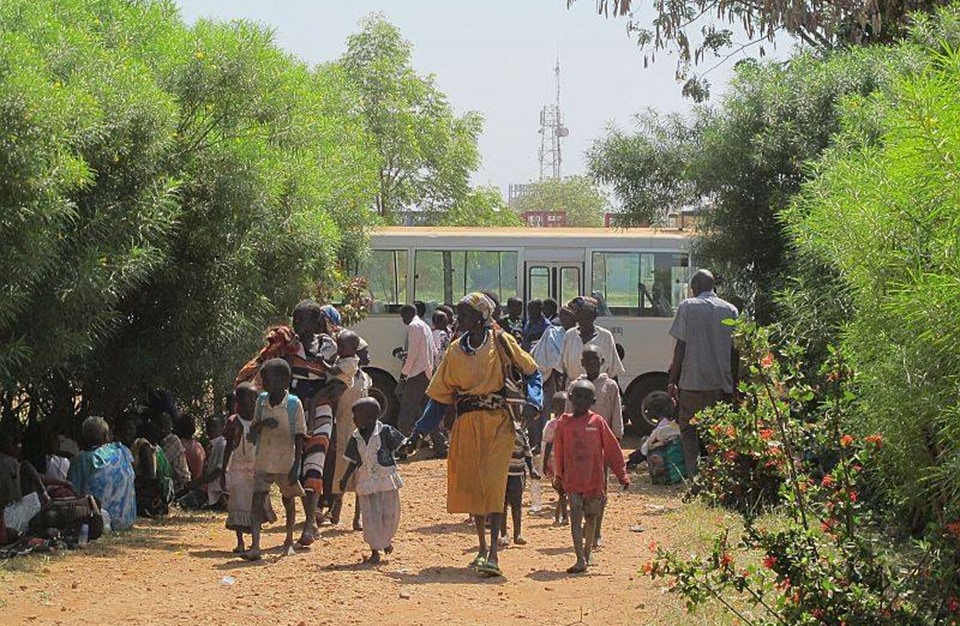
(583,448)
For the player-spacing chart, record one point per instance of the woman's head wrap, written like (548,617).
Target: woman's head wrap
(583,303)
(479,303)
(332,314)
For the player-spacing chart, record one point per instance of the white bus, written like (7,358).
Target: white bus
(639,275)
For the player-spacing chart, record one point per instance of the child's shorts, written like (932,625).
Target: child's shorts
(515,487)
(263,480)
(590,506)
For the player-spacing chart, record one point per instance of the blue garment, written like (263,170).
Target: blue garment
(107,474)
(532,332)
(547,351)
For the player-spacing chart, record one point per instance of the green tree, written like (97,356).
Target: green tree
(695,30)
(742,161)
(576,195)
(427,153)
(168,191)
(885,216)
(483,206)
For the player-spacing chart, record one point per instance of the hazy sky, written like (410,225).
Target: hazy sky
(495,57)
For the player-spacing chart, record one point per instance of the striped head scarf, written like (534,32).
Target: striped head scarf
(479,303)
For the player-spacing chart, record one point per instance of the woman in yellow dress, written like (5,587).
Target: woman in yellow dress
(471,377)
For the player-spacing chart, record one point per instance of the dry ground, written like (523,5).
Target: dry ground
(174,571)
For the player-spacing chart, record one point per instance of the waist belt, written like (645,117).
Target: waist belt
(488,402)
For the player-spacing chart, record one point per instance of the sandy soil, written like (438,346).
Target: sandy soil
(179,571)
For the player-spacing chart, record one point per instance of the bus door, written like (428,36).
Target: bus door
(561,281)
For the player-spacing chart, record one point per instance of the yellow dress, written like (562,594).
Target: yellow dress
(481,442)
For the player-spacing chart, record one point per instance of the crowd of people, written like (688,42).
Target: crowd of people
(508,395)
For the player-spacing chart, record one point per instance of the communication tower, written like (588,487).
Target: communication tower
(552,131)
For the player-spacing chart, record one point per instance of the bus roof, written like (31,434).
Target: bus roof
(529,236)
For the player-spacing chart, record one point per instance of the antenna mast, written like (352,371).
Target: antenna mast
(551,132)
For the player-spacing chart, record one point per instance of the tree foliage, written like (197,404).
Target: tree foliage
(694,30)
(427,152)
(483,206)
(742,161)
(576,195)
(168,191)
(885,217)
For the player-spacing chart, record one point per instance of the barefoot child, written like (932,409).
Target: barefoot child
(280,428)
(607,405)
(584,447)
(370,454)
(549,433)
(239,457)
(521,462)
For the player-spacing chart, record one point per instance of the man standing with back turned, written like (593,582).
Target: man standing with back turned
(705,362)
(416,373)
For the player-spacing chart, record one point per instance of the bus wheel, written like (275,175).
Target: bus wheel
(637,400)
(383,390)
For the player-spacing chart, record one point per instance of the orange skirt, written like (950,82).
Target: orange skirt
(481,445)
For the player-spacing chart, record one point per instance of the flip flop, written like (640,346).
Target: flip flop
(477,561)
(490,570)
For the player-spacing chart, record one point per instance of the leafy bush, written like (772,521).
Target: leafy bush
(824,557)
(884,217)
(168,191)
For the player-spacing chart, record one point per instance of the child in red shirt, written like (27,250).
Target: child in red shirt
(583,446)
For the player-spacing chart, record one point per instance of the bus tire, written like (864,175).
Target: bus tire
(384,390)
(636,400)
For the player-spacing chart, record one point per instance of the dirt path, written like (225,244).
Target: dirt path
(173,572)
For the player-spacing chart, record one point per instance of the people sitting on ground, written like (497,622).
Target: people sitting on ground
(370,453)
(104,469)
(213,468)
(536,325)
(17,478)
(521,462)
(280,429)
(513,322)
(239,458)
(663,449)
(174,451)
(41,443)
(153,476)
(557,404)
(584,449)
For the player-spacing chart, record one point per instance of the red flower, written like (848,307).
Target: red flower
(853,496)
(846,441)
(730,432)
(730,455)
(953,528)
(876,439)
(769,561)
(827,480)
(726,559)
(767,361)
(953,605)
(766,434)
(648,568)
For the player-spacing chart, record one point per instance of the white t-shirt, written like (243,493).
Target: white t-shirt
(57,467)
(573,348)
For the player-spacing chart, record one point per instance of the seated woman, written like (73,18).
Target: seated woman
(154,484)
(104,469)
(17,478)
(40,446)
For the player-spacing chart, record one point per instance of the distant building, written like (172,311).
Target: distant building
(545,219)
(685,219)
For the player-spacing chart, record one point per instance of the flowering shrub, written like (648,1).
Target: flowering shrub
(824,557)
(354,304)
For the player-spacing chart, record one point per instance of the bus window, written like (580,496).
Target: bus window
(447,275)
(615,279)
(663,282)
(386,272)
(569,284)
(646,284)
(538,282)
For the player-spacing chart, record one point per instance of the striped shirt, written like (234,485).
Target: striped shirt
(521,452)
